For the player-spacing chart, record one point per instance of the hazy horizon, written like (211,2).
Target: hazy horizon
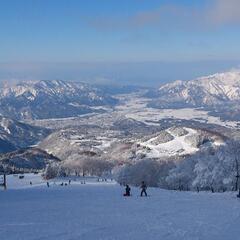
(147,74)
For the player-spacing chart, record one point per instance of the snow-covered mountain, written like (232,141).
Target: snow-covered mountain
(15,135)
(26,160)
(50,99)
(209,91)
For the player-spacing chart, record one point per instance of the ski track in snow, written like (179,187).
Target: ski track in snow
(98,211)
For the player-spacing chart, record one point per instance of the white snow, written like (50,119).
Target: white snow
(105,142)
(177,146)
(133,106)
(136,108)
(102,142)
(100,212)
(4,123)
(224,85)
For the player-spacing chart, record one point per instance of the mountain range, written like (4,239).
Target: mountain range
(51,99)
(212,91)
(131,132)
(25,160)
(30,100)
(16,135)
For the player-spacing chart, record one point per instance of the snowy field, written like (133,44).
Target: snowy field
(97,210)
(136,108)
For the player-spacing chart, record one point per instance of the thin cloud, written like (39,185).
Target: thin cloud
(225,12)
(146,18)
(214,14)
(138,20)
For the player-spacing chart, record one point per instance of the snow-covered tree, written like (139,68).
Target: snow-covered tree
(181,176)
(85,165)
(218,170)
(145,170)
(51,171)
(203,170)
(234,154)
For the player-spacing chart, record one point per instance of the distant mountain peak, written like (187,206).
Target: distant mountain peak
(205,91)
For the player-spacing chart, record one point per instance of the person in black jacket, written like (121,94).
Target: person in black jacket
(144,188)
(128,190)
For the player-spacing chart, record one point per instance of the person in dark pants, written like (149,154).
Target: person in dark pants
(128,190)
(144,188)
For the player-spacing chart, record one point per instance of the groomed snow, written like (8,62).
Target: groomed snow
(177,146)
(99,211)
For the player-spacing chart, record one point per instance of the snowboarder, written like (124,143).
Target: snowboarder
(144,188)
(128,190)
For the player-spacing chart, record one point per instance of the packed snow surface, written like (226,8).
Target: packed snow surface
(176,146)
(97,210)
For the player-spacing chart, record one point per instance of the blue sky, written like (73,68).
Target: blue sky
(129,41)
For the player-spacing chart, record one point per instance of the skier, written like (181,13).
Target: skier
(128,190)
(47,184)
(144,188)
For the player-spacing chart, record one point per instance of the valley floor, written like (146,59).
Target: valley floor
(97,210)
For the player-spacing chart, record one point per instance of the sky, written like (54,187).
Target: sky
(136,42)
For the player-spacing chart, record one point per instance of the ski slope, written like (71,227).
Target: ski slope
(98,211)
(177,146)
